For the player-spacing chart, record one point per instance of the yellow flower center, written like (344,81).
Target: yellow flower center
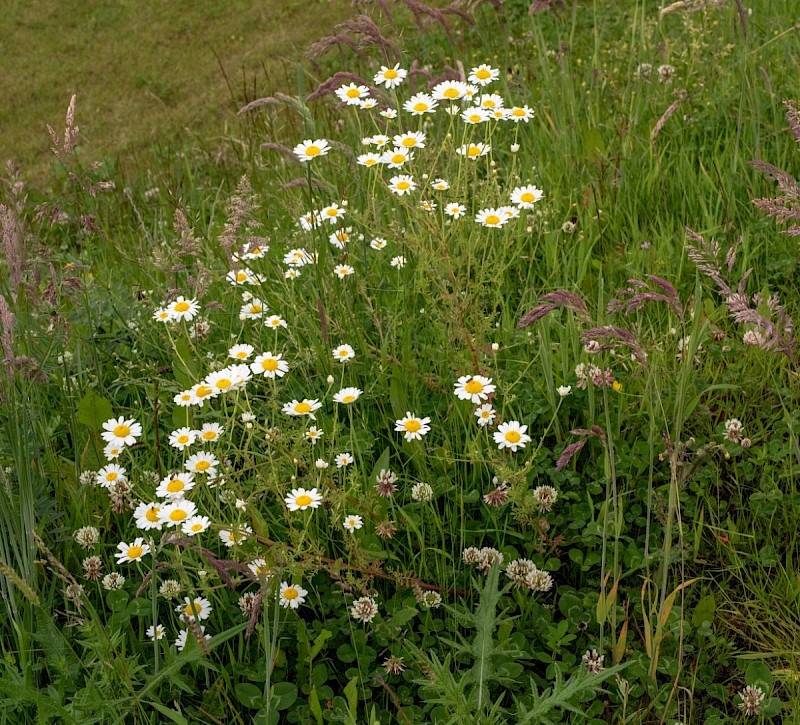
(527,197)
(183,439)
(332,212)
(197,527)
(492,219)
(370,162)
(175,485)
(303,500)
(420,106)
(451,93)
(348,398)
(241,355)
(223,383)
(192,609)
(398,158)
(177,515)
(270,364)
(182,307)
(312,150)
(519,112)
(134,552)
(209,435)
(256,308)
(513,436)
(391,74)
(302,407)
(241,277)
(122,431)
(403,185)
(342,353)
(409,142)
(473,151)
(483,74)
(203,391)
(111,476)
(475,117)
(473,386)
(488,103)
(152,514)
(290,593)
(202,465)
(412,426)
(353,93)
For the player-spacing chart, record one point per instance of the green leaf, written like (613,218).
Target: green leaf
(319,643)
(402,617)
(258,523)
(314,706)
(93,411)
(758,674)
(285,693)
(381,464)
(171,714)
(351,693)
(249,695)
(184,367)
(704,611)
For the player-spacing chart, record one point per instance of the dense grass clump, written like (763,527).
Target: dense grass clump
(468,394)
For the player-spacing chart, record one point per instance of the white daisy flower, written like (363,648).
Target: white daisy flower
(475,388)
(234,537)
(300,499)
(202,462)
(412,427)
(343,459)
(511,435)
(352,522)
(147,516)
(176,512)
(474,150)
(175,485)
(195,609)
(183,309)
(343,353)
(195,525)
(292,595)
(420,103)
(210,433)
(402,184)
(313,434)
(485,414)
(352,94)
(526,196)
(347,395)
(491,218)
(270,365)
(304,407)
(241,352)
(121,431)
(131,552)
(483,75)
(390,77)
(309,149)
(274,322)
(111,474)
(182,438)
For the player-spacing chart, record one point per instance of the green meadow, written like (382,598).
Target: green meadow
(400,363)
